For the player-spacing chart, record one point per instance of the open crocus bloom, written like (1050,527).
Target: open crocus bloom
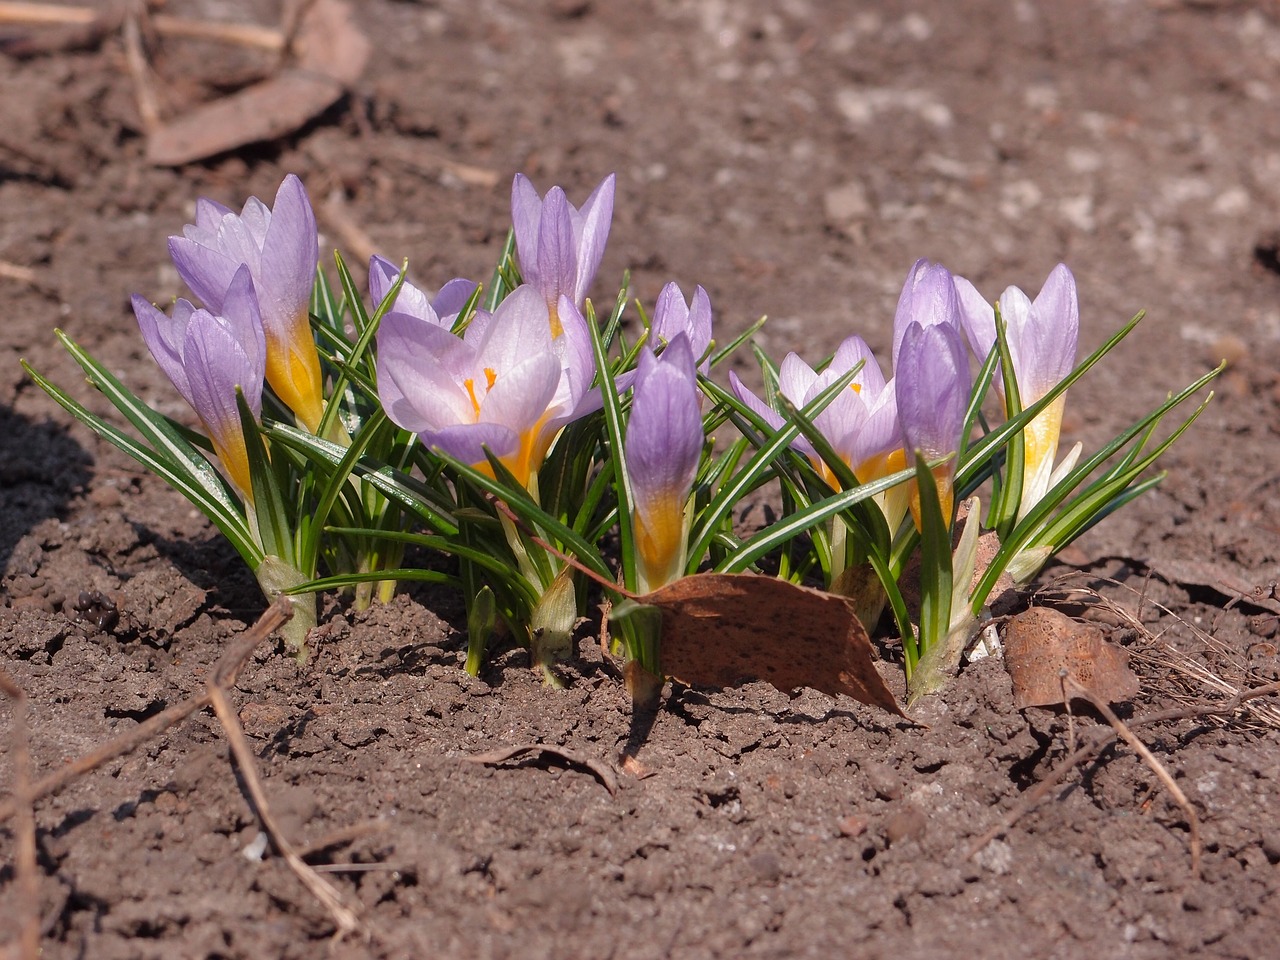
(280,246)
(1042,337)
(560,246)
(442,311)
(506,385)
(861,424)
(207,356)
(663,445)
(673,316)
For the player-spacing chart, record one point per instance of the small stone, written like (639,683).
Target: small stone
(906,823)
(883,781)
(852,825)
(766,866)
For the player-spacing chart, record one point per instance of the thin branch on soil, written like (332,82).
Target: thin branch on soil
(51,15)
(343,836)
(597,769)
(14,271)
(227,671)
(1193,819)
(1032,798)
(320,888)
(26,876)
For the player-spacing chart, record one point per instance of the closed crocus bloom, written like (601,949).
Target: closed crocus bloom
(505,385)
(441,311)
(280,246)
(663,446)
(932,384)
(208,356)
(1042,337)
(672,315)
(559,246)
(928,297)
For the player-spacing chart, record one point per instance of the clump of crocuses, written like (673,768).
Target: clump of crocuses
(550,449)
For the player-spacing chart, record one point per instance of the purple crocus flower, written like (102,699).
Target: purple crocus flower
(663,446)
(672,315)
(1042,337)
(280,246)
(442,311)
(928,297)
(932,384)
(506,385)
(861,424)
(559,246)
(207,356)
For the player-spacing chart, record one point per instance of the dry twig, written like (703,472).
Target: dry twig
(597,769)
(1032,798)
(228,668)
(1193,820)
(320,888)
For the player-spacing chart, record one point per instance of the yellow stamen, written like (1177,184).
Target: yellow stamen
(556,327)
(491,377)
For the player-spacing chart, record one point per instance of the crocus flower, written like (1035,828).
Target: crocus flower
(559,246)
(672,316)
(280,246)
(860,423)
(663,445)
(928,297)
(442,311)
(1042,336)
(932,384)
(506,385)
(207,356)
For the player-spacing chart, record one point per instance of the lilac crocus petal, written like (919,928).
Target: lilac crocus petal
(591,234)
(558,246)
(977,317)
(164,337)
(280,247)
(502,385)
(754,403)
(672,316)
(207,357)
(441,311)
(468,442)
(453,296)
(932,385)
(928,297)
(410,300)
(663,446)
(1049,338)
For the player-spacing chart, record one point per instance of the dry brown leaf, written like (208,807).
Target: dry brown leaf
(332,54)
(719,629)
(1040,643)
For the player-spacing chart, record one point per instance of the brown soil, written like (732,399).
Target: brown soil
(794,158)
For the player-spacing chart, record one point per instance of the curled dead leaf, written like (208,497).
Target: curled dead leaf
(1040,643)
(719,629)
